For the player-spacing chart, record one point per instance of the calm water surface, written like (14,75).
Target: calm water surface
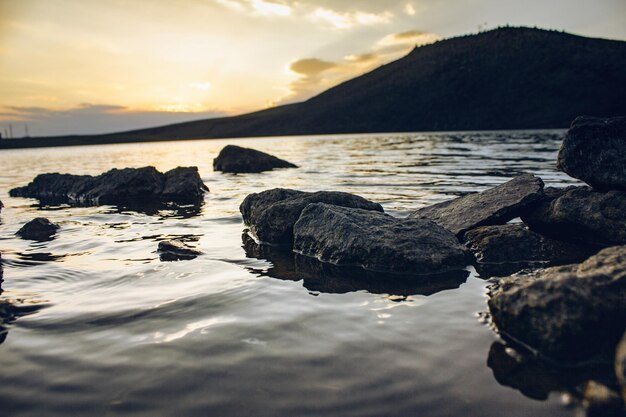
(94,324)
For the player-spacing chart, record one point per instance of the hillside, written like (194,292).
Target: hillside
(507,78)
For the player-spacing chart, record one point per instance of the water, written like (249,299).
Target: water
(95,324)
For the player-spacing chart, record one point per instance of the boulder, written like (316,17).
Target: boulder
(620,365)
(134,185)
(594,151)
(40,229)
(581,214)
(496,205)
(271,214)
(509,248)
(377,241)
(235,159)
(568,313)
(176,250)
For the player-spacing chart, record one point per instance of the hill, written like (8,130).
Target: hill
(507,78)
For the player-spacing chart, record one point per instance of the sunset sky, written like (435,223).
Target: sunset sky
(92,66)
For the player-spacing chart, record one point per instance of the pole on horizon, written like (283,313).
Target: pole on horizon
(10,130)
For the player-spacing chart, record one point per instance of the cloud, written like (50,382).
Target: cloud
(409,9)
(412,37)
(310,66)
(349,19)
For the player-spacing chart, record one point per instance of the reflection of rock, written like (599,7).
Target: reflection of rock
(377,241)
(328,278)
(11,310)
(496,205)
(163,210)
(569,312)
(176,250)
(117,186)
(236,159)
(506,249)
(39,229)
(271,214)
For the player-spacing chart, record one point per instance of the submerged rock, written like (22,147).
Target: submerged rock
(40,229)
(377,241)
(236,159)
(568,312)
(581,214)
(176,250)
(506,249)
(271,214)
(496,205)
(594,151)
(182,185)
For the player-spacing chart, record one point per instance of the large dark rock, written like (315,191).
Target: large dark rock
(271,214)
(581,214)
(496,205)
(506,249)
(134,185)
(594,151)
(377,241)
(568,312)
(176,250)
(236,159)
(40,229)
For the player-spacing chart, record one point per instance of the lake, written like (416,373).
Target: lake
(93,323)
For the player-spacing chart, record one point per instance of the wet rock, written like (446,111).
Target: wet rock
(568,313)
(377,241)
(594,151)
(509,248)
(600,401)
(271,214)
(581,214)
(620,365)
(176,250)
(236,159)
(128,185)
(496,205)
(40,229)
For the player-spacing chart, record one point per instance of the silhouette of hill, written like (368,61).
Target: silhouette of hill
(507,78)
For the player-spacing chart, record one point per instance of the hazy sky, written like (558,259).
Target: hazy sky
(87,66)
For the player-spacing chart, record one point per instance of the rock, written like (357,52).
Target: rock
(620,365)
(1,205)
(581,214)
(40,229)
(600,401)
(271,214)
(128,185)
(496,205)
(568,313)
(175,250)
(509,248)
(377,241)
(236,159)
(594,151)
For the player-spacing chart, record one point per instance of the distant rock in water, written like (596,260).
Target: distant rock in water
(128,185)
(235,159)
(176,250)
(271,214)
(594,151)
(496,205)
(568,312)
(40,229)
(377,241)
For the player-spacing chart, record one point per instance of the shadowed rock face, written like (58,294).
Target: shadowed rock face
(236,159)
(569,312)
(271,214)
(496,205)
(377,241)
(40,229)
(594,151)
(581,214)
(509,248)
(116,186)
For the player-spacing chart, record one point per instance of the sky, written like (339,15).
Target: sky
(96,66)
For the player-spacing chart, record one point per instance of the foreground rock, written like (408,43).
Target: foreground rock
(581,214)
(176,250)
(236,159)
(506,249)
(271,214)
(569,312)
(594,151)
(40,229)
(496,205)
(128,185)
(620,365)
(377,241)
